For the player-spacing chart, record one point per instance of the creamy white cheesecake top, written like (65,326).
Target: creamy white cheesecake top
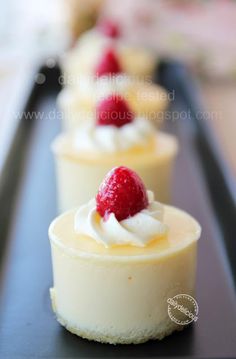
(183,231)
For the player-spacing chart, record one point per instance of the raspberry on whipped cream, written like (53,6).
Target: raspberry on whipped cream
(122,213)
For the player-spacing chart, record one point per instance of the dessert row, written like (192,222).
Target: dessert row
(118,253)
(109,114)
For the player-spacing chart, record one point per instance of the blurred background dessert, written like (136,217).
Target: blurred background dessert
(83,57)
(106,75)
(200,33)
(116,136)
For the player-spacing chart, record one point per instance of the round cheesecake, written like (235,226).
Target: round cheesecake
(79,173)
(135,61)
(118,294)
(78,103)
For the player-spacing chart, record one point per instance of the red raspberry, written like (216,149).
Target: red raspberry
(113,110)
(109,28)
(108,65)
(123,193)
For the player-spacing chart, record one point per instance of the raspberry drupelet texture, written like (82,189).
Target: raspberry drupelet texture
(123,193)
(109,64)
(113,110)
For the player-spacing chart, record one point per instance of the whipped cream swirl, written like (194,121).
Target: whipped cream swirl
(110,139)
(87,51)
(137,230)
(91,45)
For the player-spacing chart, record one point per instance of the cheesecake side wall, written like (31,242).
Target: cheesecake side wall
(78,181)
(120,299)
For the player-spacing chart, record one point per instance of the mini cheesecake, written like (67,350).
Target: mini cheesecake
(118,259)
(135,61)
(78,102)
(85,156)
(78,105)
